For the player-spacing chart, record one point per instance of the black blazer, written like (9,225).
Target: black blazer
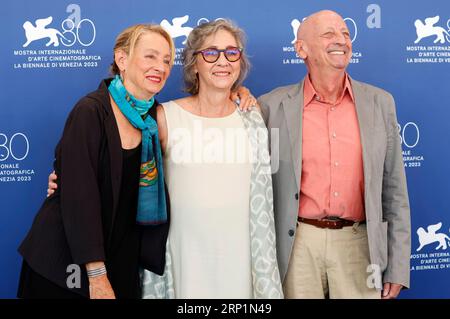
(74,224)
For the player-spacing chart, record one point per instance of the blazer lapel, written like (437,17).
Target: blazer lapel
(115,156)
(293,111)
(365,112)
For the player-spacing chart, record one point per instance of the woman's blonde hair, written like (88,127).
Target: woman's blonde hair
(194,43)
(128,39)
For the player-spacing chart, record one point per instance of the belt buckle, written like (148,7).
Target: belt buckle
(333,218)
(334,222)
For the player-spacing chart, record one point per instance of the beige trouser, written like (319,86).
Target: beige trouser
(329,263)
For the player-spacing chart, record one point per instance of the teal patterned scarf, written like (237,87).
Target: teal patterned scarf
(152,197)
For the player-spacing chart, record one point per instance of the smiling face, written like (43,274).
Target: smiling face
(221,74)
(146,68)
(324,42)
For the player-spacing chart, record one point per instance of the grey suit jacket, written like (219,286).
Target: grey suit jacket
(385,192)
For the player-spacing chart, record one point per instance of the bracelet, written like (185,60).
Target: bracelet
(96,272)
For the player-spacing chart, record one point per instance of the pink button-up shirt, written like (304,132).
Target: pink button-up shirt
(332,182)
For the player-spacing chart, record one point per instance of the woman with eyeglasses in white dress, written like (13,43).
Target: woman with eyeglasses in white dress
(222,237)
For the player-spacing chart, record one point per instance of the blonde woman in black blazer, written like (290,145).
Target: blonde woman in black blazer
(90,221)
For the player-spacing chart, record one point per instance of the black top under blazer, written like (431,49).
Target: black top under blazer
(74,224)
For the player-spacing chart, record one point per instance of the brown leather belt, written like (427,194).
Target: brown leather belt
(335,223)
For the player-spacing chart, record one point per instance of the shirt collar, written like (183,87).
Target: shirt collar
(310,94)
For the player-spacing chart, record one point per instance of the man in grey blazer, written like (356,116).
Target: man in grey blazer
(340,196)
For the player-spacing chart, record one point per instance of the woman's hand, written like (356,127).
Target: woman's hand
(246,100)
(52,186)
(100,288)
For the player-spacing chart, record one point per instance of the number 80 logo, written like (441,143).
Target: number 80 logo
(75,35)
(11,147)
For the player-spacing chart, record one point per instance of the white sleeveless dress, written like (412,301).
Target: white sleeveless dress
(207,170)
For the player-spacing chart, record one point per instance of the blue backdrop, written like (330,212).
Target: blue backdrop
(54,52)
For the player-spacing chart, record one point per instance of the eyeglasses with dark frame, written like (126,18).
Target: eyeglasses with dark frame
(211,55)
